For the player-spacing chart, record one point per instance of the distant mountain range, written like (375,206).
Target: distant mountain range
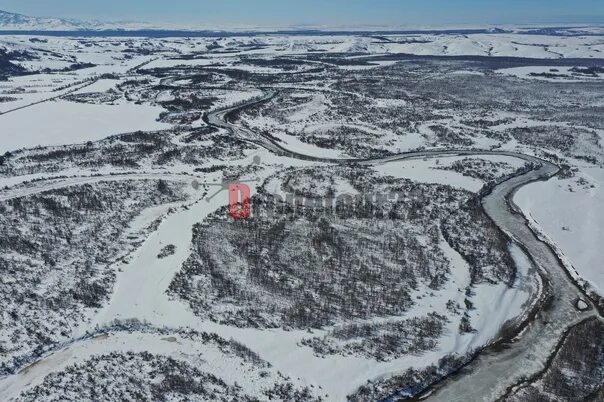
(19,22)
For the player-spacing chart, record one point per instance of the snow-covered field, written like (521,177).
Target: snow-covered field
(571,214)
(552,74)
(62,122)
(429,170)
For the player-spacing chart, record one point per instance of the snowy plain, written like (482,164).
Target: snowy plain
(63,122)
(572,216)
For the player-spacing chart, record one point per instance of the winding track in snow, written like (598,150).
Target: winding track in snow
(71,90)
(494,369)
